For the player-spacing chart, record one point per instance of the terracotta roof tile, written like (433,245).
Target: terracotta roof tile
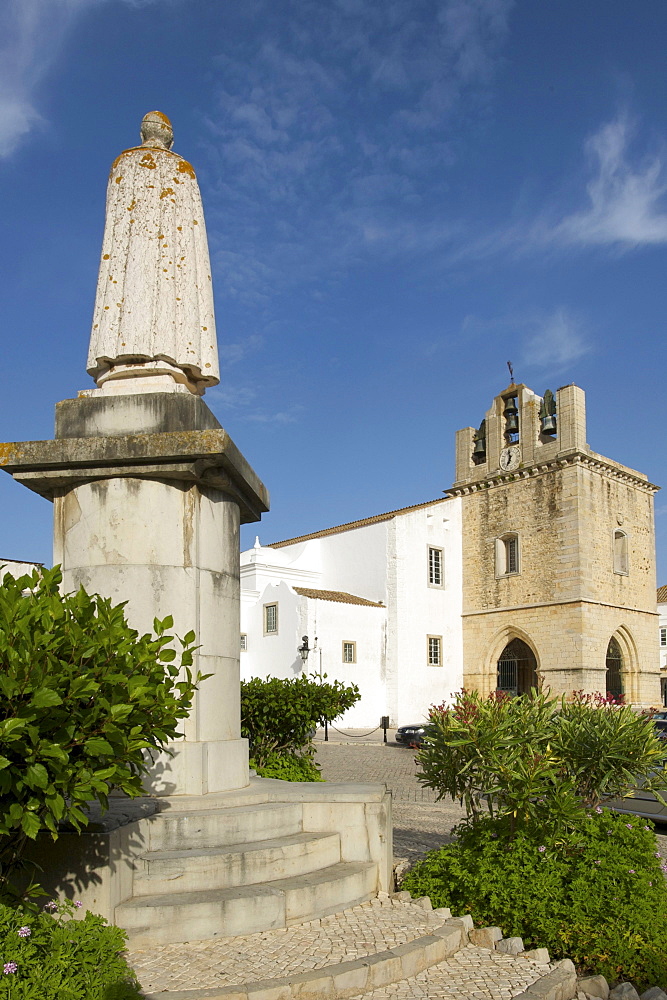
(662,595)
(356,524)
(337,595)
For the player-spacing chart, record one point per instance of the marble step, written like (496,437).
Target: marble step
(174,831)
(205,868)
(151,920)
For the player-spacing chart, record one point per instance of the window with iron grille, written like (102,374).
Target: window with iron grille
(434,650)
(244,642)
(663,636)
(435,575)
(511,555)
(349,652)
(270,619)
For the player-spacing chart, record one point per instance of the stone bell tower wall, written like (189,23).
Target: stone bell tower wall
(571,593)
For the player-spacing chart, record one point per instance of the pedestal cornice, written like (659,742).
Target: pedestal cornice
(207,458)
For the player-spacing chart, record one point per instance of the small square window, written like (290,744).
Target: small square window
(435,566)
(434,650)
(349,652)
(244,642)
(270,619)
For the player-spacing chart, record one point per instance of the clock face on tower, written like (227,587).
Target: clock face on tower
(510,458)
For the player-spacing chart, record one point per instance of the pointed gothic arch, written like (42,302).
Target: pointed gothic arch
(621,664)
(513,663)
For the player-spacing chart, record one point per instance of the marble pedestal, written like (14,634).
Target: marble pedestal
(148,492)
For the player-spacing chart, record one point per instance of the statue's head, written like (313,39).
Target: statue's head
(156,130)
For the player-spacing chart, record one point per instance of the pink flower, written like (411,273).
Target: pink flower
(78,904)
(24,932)
(9,967)
(598,809)
(52,906)
(631,871)
(541,849)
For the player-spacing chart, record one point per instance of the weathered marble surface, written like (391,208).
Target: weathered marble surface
(154,304)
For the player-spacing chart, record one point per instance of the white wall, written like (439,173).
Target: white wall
(355,561)
(418,610)
(333,623)
(15,569)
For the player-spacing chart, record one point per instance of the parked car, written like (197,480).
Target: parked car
(411,736)
(641,803)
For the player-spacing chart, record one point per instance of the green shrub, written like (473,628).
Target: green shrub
(601,902)
(50,956)
(279,715)
(288,767)
(84,703)
(535,763)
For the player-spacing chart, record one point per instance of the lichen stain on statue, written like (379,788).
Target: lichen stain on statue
(153,319)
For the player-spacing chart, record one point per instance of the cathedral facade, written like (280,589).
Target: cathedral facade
(536,570)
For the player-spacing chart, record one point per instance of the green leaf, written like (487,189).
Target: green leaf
(31,824)
(36,776)
(46,698)
(96,745)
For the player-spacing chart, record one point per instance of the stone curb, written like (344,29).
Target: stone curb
(346,978)
(559,984)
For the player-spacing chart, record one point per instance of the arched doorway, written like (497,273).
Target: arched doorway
(614,674)
(517,668)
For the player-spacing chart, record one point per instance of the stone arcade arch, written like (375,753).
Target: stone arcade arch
(517,668)
(614,670)
(621,665)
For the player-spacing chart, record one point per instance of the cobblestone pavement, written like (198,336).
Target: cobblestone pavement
(375,926)
(471,974)
(420,823)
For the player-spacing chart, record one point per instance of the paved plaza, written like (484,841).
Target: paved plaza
(420,824)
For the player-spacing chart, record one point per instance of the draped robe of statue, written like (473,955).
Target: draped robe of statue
(153,313)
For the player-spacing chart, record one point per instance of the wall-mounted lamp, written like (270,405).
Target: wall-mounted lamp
(304,649)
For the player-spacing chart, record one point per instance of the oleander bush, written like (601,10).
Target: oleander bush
(537,763)
(279,716)
(288,767)
(601,901)
(85,704)
(50,956)
(537,854)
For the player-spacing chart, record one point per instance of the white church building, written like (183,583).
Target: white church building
(379,602)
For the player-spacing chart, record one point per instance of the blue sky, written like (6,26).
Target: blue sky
(400,196)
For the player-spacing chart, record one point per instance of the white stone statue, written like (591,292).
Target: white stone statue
(153,325)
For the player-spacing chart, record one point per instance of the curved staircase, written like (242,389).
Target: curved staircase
(261,858)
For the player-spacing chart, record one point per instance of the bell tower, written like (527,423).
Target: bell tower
(558,554)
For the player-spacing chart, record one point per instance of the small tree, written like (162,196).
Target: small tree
(279,715)
(86,703)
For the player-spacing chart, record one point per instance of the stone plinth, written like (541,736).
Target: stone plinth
(148,494)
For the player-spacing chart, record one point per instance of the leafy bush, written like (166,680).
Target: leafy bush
(279,715)
(52,957)
(84,703)
(288,767)
(601,902)
(536,763)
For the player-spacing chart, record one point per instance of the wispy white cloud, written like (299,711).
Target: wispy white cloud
(544,340)
(327,124)
(626,192)
(555,341)
(32,33)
